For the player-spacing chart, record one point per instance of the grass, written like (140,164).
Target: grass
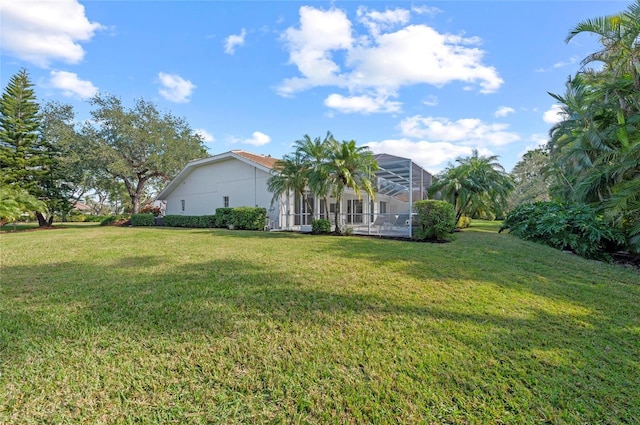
(154,325)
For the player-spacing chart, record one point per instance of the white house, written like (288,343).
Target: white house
(239,178)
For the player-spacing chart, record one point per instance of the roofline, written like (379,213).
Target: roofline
(196,163)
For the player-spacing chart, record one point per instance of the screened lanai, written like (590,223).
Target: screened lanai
(399,183)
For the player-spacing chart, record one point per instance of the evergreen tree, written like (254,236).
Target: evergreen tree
(20,157)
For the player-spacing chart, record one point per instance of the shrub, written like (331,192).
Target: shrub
(142,219)
(568,227)
(113,218)
(223,217)
(436,220)
(320,227)
(150,209)
(464,222)
(192,221)
(249,218)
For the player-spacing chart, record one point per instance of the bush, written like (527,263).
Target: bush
(436,220)
(464,222)
(143,219)
(113,218)
(150,209)
(192,221)
(568,227)
(249,218)
(321,227)
(223,217)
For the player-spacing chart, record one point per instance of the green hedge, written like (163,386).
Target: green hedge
(223,217)
(193,221)
(142,219)
(249,218)
(245,218)
(436,220)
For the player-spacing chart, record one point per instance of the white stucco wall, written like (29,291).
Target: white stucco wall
(204,189)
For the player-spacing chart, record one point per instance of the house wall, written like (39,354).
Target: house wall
(204,189)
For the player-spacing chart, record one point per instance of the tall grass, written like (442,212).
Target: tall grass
(155,325)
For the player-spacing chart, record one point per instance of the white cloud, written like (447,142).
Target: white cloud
(376,21)
(233,41)
(432,156)
(425,10)
(466,131)
(418,54)
(205,135)
(71,85)
(503,111)
(310,48)
(363,104)
(257,139)
(175,88)
(44,31)
(329,52)
(554,115)
(430,101)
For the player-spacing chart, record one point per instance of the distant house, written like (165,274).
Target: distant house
(239,178)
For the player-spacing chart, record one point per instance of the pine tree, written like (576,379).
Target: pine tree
(20,156)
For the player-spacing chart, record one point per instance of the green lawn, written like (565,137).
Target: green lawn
(154,325)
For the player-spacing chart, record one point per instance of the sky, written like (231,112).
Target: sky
(430,81)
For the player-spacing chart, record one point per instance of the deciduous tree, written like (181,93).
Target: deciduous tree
(139,146)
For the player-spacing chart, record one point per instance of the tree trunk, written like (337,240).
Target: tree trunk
(42,221)
(337,216)
(135,203)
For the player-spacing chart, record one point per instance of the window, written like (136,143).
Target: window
(225,199)
(383,207)
(182,203)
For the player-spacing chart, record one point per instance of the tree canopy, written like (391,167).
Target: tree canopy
(595,150)
(477,186)
(325,167)
(139,146)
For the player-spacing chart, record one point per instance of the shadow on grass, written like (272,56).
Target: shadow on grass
(593,355)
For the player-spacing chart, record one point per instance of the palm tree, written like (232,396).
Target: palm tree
(478,185)
(291,176)
(597,146)
(349,166)
(315,153)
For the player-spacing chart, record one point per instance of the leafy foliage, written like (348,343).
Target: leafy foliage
(478,186)
(567,227)
(223,217)
(595,149)
(325,167)
(143,219)
(321,227)
(191,221)
(14,202)
(530,179)
(20,154)
(436,220)
(138,146)
(249,218)
(463,222)
(109,220)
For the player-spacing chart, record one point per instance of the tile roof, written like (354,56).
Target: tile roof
(265,161)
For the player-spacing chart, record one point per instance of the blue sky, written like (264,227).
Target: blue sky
(425,80)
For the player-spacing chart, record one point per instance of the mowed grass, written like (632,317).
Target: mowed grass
(158,325)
